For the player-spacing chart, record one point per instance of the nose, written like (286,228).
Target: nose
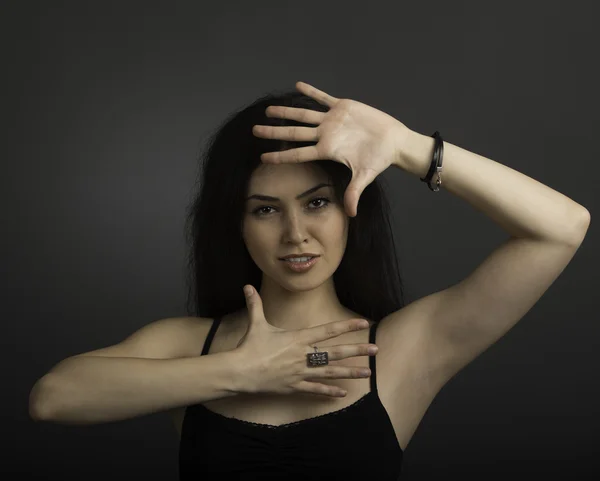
(294,228)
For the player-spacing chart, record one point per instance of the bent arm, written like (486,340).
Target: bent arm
(92,390)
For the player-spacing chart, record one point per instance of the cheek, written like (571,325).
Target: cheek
(341,227)
(257,240)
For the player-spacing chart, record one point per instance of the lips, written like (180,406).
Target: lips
(298,255)
(300,266)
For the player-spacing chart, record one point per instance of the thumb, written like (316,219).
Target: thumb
(355,189)
(254,303)
(351,198)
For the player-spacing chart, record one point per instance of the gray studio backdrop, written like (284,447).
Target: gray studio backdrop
(106,107)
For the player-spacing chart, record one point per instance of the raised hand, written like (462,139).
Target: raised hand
(364,139)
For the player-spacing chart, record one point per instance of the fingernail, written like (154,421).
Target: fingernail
(248,291)
(373,350)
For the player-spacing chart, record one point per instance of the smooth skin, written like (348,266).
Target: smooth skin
(275,360)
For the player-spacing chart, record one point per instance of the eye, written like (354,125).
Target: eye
(261,213)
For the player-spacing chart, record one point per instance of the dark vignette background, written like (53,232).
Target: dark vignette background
(105,107)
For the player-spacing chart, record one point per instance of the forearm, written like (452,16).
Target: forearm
(90,389)
(519,204)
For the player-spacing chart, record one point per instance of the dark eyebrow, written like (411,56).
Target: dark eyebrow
(276,199)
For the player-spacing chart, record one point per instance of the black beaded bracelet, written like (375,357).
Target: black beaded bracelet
(436,163)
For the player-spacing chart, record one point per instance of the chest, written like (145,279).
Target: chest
(403,395)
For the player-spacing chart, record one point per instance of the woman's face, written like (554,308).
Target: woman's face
(315,223)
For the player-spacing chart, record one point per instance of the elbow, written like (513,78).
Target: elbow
(581,227)
(38,401)
(36,414)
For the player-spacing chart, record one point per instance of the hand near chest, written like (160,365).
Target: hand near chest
(274,361)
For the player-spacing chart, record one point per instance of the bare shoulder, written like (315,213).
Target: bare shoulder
(195,330)
(192,334)
(166,338)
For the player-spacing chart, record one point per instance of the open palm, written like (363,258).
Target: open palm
(357,135)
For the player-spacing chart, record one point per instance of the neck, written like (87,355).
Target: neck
(301,305)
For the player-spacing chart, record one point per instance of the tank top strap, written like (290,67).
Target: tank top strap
(211,334)
(372,336)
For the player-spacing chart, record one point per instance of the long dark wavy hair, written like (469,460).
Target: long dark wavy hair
(367,280)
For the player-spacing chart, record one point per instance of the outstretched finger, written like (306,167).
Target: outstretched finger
(315,93)
(306,116)
(295,134)
(291,156)
(333,329)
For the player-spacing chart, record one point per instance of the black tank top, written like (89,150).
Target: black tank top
(357,442)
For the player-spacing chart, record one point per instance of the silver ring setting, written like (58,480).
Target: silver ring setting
(317,358)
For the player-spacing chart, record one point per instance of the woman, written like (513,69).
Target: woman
(304,140)
(296,175)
